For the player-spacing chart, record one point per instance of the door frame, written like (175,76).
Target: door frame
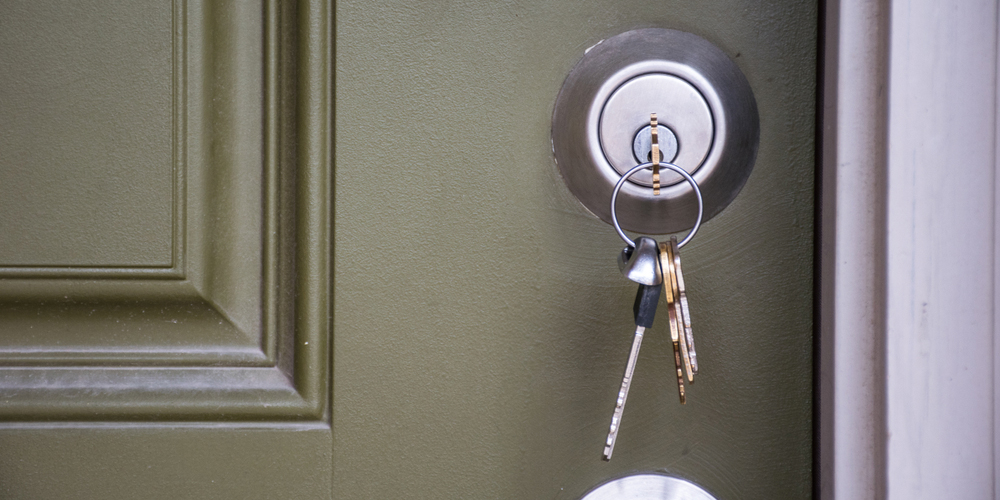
(906,385)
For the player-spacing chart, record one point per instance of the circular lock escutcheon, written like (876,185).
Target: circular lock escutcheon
(698,94)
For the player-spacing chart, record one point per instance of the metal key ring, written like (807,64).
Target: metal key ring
(680,171)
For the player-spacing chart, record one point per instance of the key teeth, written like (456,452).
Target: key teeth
(655,153)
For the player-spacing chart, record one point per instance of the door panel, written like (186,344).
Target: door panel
(164,263)
(233,324)
(66,85)
(101,462)
(481,326)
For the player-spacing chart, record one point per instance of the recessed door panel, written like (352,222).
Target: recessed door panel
(87,156)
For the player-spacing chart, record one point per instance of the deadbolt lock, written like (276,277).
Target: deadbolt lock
(708,125)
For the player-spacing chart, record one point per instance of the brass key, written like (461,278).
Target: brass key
(670,277)
(685,310)
(675,326)
(655,154)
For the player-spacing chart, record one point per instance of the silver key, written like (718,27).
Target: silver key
(644,310)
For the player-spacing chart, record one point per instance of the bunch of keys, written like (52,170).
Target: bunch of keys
(680,316)
(654,265)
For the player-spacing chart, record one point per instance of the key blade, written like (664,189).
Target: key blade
(675,326)
(616,417)
(670,279)
(680,374)
(654,155)
(685,310)
(689,334)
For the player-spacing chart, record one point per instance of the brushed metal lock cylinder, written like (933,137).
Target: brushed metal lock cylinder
(642,146)
(708,125)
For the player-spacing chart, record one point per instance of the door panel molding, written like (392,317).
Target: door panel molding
(237,328)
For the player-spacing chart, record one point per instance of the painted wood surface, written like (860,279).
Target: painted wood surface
(480,326)
(940,250)
(918,271)
(853,251)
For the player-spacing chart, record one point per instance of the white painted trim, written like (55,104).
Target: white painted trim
(940,247)
(909,393)
(996,281)
(853,254)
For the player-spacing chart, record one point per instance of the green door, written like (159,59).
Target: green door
(302,250)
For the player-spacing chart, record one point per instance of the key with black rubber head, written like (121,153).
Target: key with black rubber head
(644,311)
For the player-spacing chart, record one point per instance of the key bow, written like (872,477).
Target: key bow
(640,264)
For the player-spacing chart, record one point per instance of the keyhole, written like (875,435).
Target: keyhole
(643,143)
